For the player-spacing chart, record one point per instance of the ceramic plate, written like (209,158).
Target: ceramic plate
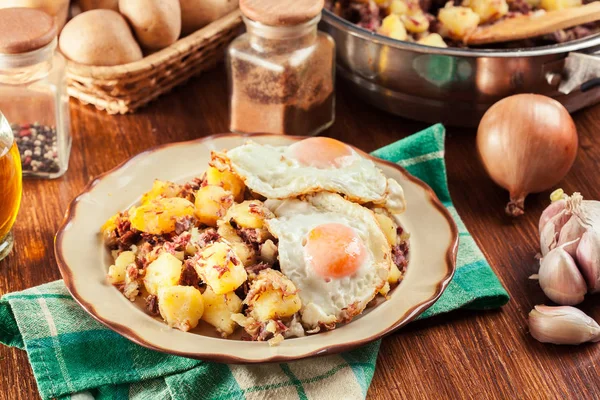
(84,262)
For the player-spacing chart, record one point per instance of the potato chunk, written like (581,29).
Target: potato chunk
(551,5)
(249,214)
(457,22)
(245,253)
(433,39)
(398,7)
(394,275)
(218,309)
(165,271)
(415,23)
(227,180)
(159,216)
(393,27)
(161,189)
(212,203)
(488,10)
(272,295)
(181,306)
(388,227)
(220,268)
(117,272)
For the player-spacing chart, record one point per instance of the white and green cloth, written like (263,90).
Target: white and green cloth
(73,356)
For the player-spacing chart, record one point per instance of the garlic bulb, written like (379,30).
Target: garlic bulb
(562,325)
(549,234)
(560,279)
(556,207)
(569,235)
(588,257)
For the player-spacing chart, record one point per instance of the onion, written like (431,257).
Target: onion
(527,143)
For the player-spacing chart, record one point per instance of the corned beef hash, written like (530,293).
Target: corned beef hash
(281,241)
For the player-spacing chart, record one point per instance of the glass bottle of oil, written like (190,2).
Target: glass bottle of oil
(10,185)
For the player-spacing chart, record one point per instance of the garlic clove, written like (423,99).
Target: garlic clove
(588,256)
(560,279)
(562,325)
(550,232)
(569,234)
(553,209)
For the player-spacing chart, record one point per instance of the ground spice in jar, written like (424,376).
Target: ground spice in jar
(38,148)
(281,76)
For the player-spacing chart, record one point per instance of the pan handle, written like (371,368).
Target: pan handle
(581,71)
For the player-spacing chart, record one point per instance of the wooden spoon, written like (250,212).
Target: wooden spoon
(532,25)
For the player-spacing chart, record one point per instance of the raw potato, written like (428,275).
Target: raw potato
(99,37)
(218,309)
(87,5)
(157,23)
(197,13)
(181,306)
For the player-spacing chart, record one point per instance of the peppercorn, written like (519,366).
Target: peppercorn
(38,148)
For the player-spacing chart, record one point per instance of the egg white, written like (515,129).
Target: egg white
(273,172)
(333,300)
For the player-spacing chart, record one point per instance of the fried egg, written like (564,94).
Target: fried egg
(333,251)
(313,165)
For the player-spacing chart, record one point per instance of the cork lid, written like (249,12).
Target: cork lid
(281,12)
(25,29)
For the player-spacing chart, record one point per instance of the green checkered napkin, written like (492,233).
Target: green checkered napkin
(73,356)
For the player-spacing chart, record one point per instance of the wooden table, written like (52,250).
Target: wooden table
(466,354)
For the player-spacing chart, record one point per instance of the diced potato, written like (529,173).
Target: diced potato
(249,214)
(394,275)
(159,216)
(273,304)
(415,23)
(161,189)
(268,252)
(245,253)
(489,10)
(551,5)
(457,22)
(212,203)
(393,27)
(218,309)
(165,271)
(434,40)
(110,224)
(272,295)
(181,306)
(398,7)
(116,272)
(221,268)
(227,180)
(388,227)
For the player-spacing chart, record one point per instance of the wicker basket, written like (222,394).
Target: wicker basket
(124,88)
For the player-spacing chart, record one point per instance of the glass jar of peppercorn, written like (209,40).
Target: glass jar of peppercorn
(33,91)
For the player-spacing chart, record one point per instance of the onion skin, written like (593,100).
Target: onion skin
(527,144)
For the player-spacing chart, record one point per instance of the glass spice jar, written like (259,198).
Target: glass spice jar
(33,91)
(281,71)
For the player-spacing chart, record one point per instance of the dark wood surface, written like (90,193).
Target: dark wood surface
(464,354)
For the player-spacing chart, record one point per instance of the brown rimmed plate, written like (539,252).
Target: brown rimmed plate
(84,262)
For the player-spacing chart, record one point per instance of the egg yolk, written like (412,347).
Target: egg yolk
(320,152)
(334,250)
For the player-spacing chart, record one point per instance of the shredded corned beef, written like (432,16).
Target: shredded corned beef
(152,304)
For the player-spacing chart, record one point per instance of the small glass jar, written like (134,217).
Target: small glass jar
(33,91)
(281,71)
